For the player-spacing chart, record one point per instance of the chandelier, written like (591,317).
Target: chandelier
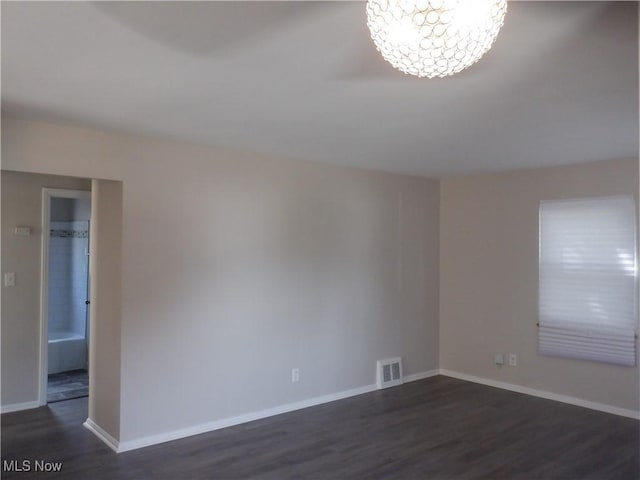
(434,38)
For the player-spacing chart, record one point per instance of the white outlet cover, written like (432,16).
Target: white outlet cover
(9,279)
(499,358)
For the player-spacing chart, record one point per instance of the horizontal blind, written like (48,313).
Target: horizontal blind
(587,296)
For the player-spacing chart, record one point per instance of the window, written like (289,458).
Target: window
(587,295)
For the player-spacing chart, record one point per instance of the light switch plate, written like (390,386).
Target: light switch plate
(22,231)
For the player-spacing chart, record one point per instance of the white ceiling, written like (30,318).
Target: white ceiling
(303,80)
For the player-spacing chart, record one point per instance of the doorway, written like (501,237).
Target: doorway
(65,295)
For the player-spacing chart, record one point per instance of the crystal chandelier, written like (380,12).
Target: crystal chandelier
(434,38)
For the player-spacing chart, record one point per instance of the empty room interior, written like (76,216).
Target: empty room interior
(308,239)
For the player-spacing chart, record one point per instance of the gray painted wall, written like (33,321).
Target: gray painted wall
(489,278)
(237,268)
(22,205)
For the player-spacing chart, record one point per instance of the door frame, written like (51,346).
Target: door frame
(47,195)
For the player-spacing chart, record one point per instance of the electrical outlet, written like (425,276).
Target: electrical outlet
(10,279)
(498,358)
(295,375)
(513,360)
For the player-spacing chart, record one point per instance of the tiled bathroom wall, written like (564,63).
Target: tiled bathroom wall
(68,264)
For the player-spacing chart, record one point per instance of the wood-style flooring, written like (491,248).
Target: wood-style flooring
(438,428)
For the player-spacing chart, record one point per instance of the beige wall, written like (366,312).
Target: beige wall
(106,305)
(238,267)
(22,205)
(489,278)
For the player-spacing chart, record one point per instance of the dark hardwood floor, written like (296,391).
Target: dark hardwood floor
(438,428)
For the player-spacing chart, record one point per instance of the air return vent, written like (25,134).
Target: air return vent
(389,372)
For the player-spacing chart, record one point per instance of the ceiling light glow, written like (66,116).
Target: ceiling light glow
(434,38)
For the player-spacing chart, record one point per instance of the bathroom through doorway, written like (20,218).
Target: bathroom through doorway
(66,293)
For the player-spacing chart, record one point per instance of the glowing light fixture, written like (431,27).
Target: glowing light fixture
(434,38)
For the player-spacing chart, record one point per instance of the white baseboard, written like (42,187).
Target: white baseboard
(420,376)
(118,447)
(17,407)
(602,407)
(111,442)
(289,407)
(228,422)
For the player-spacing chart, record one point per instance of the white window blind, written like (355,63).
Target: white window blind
(587,262)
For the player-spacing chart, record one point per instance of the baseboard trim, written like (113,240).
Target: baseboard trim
(94,428)
(420,376)
(249,417)
(229,422)
(18,407)
(579,402)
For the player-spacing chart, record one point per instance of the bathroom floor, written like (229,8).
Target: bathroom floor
(67,385)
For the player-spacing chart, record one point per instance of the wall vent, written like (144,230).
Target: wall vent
(389,372)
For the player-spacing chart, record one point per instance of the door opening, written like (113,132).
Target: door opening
(65,295)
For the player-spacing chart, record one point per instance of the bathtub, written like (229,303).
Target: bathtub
(67,351)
